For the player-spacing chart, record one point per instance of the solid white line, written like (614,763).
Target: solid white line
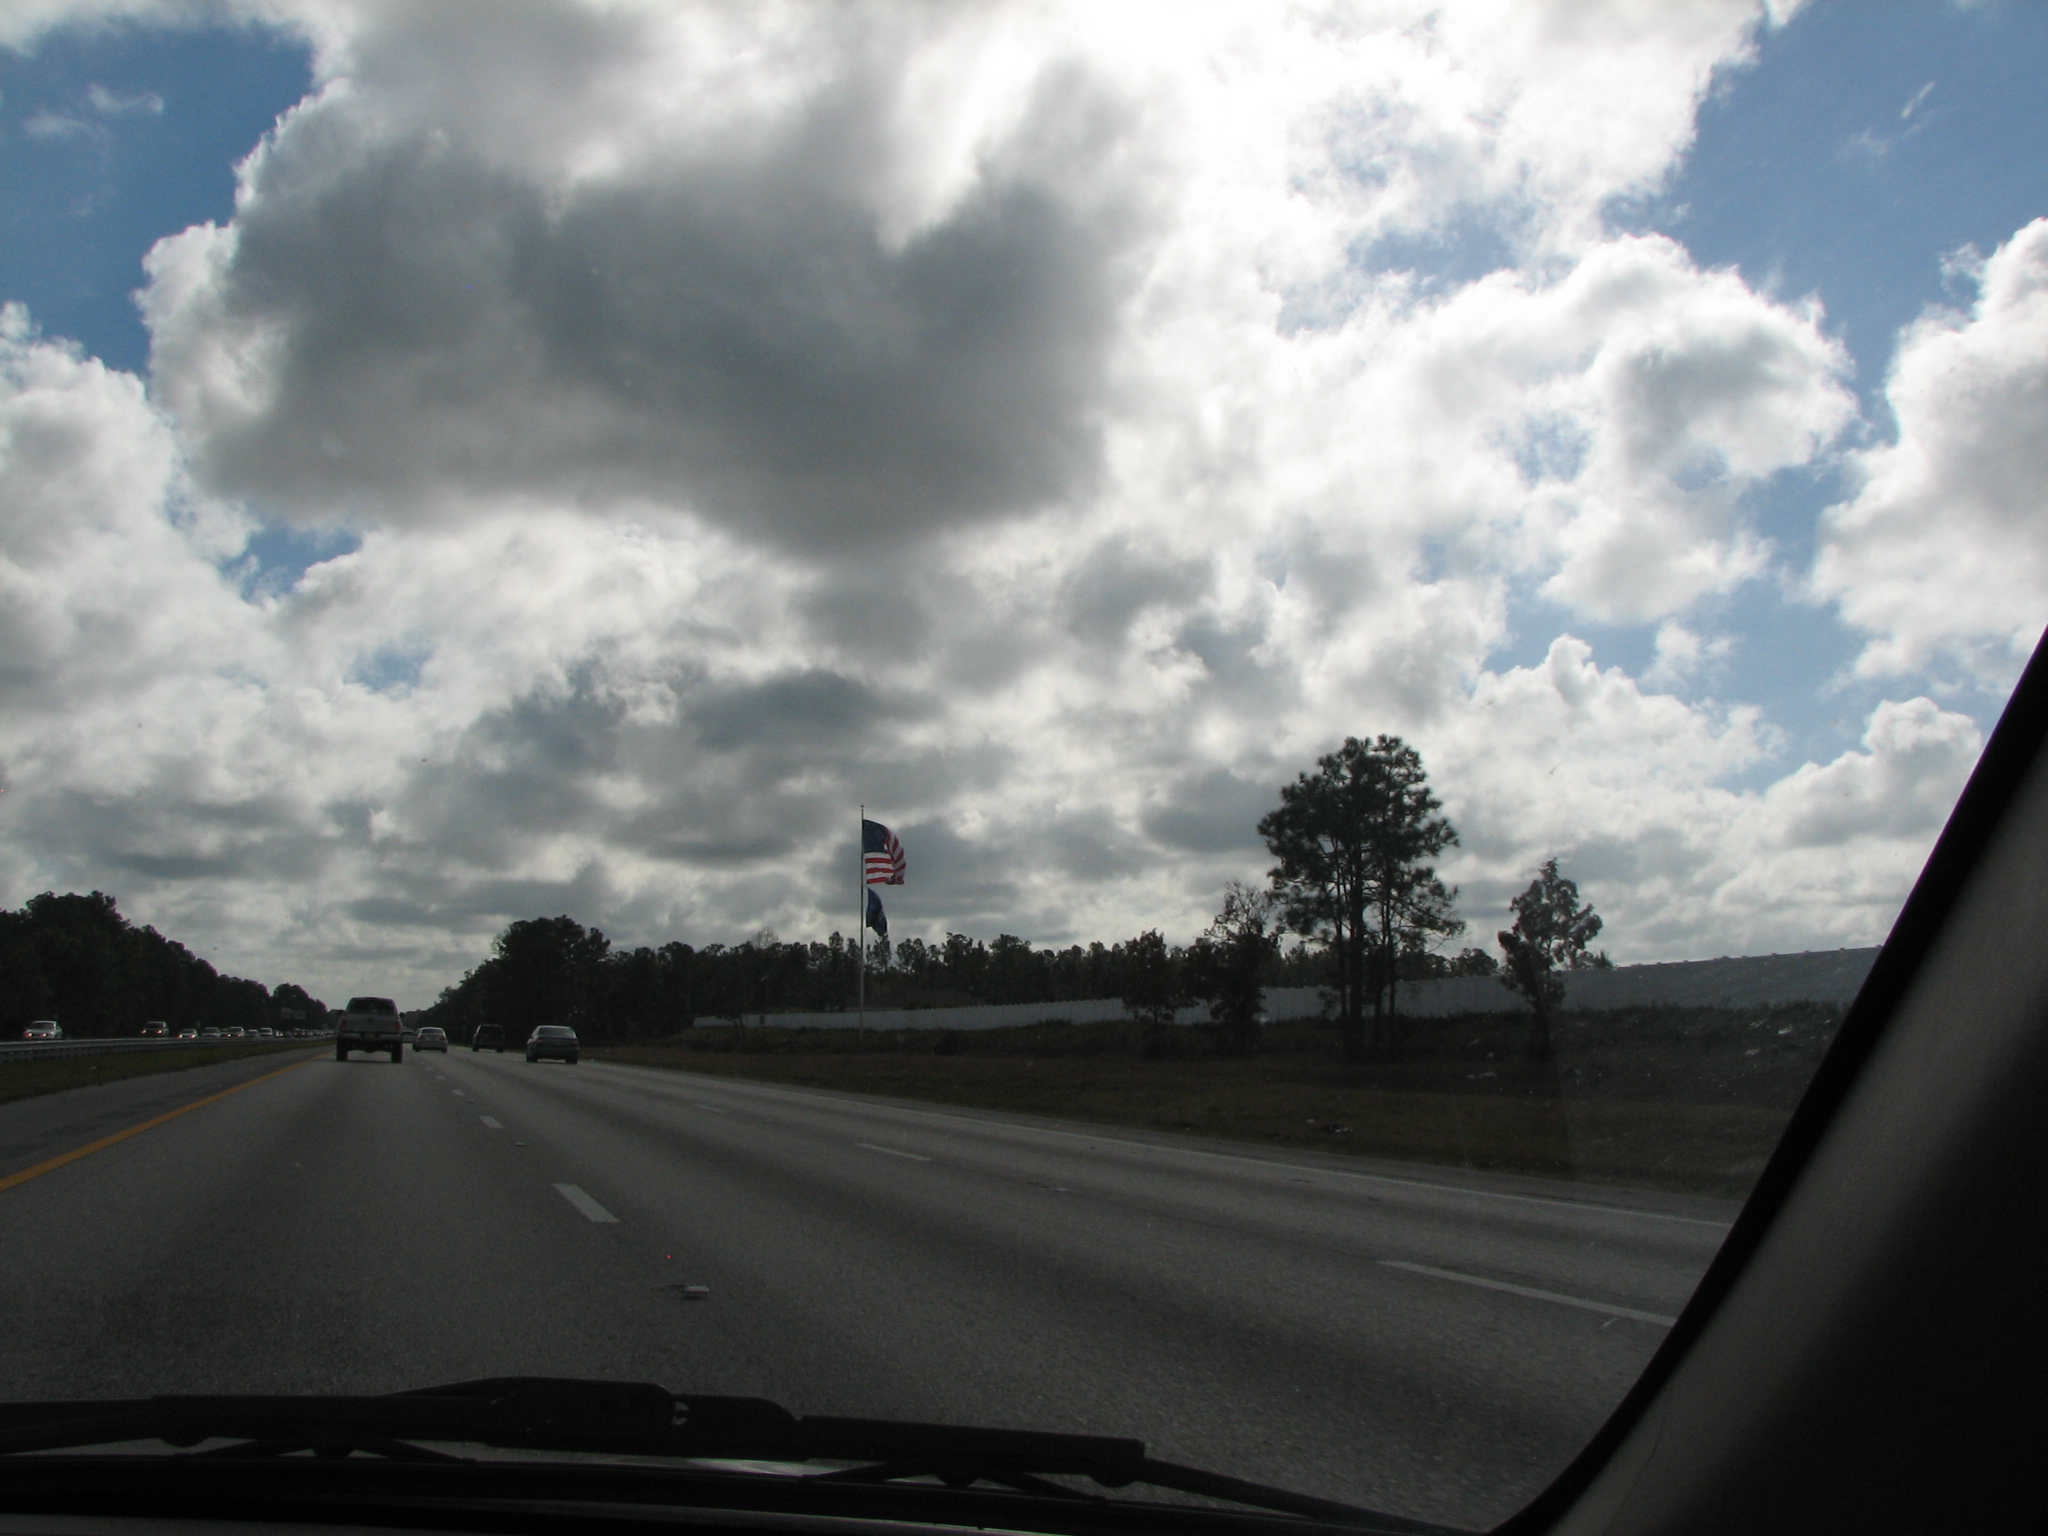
(1527,1290)
(487,1120)
(584,1203)
(869,1146)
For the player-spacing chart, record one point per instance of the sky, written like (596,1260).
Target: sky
(462,463)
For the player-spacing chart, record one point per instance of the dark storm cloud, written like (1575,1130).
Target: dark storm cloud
(805,709)
(733,335)
(516,774)
(958,884)
(1213,812)
(1116,583)
(162,834)
(740,777)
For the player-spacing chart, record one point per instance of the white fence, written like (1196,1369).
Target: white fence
(1747,981)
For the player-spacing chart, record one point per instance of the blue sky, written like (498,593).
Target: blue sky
(113,138)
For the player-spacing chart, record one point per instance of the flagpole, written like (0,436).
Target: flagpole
(860,926)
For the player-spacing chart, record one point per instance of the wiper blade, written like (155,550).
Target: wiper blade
(640,1419)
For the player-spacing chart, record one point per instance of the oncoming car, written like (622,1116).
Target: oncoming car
(552,1042)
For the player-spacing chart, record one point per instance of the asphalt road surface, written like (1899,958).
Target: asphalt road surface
(1436,1343)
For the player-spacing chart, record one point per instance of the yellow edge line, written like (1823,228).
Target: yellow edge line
(136,1130)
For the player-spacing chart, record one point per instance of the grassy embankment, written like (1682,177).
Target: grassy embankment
(54,1074)
(1688,1100)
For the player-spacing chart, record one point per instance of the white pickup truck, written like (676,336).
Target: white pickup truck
(370,1024)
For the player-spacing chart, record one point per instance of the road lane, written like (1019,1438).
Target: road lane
(1229,1307)
(363,1227)
(34,1129)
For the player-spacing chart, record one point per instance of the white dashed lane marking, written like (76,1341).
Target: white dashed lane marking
(869,1146)
(487,1120)
(584,1203)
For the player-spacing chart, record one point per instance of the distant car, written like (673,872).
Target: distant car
(188,1034)
(552,1040)
(429,1038)
(488,1037)
(233,1032)
(155,1029)
(44,1029)
(266,1033)
(211,1032)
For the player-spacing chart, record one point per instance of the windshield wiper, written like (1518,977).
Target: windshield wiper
(640,1419)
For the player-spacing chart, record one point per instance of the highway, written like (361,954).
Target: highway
(1432,1342)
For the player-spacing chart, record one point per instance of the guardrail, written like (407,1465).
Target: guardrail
(38,1050)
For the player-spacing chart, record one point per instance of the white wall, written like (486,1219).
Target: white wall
(1748,981)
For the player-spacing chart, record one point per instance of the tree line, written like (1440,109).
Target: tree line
(77,960)
(1353,887)
(554,970)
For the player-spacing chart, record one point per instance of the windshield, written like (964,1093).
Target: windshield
(1165,721)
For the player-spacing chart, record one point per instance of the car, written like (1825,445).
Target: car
(233,1032)
(155,1029)
(210,1032)
(488,1037)
(266,1033)
(430,1038)
(555,1042)
(43,1029)
(188,1034)
(370,1024)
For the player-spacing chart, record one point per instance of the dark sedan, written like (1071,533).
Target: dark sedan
(552,1042)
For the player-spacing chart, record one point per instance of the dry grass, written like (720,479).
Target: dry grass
(1304,1101)
(26,1079)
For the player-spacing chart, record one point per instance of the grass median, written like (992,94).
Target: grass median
(1631,1132)
(55,1074)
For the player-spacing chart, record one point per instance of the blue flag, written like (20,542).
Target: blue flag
(877,918)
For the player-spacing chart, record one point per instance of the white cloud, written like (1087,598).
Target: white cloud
(1682,655)
(55,125)
(1942,554)
(113,104)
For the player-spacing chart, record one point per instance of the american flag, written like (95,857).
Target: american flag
(881,854)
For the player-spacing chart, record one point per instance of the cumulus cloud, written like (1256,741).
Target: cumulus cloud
(1052,427)
(1942,554)
(681,285)
(1681,656)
